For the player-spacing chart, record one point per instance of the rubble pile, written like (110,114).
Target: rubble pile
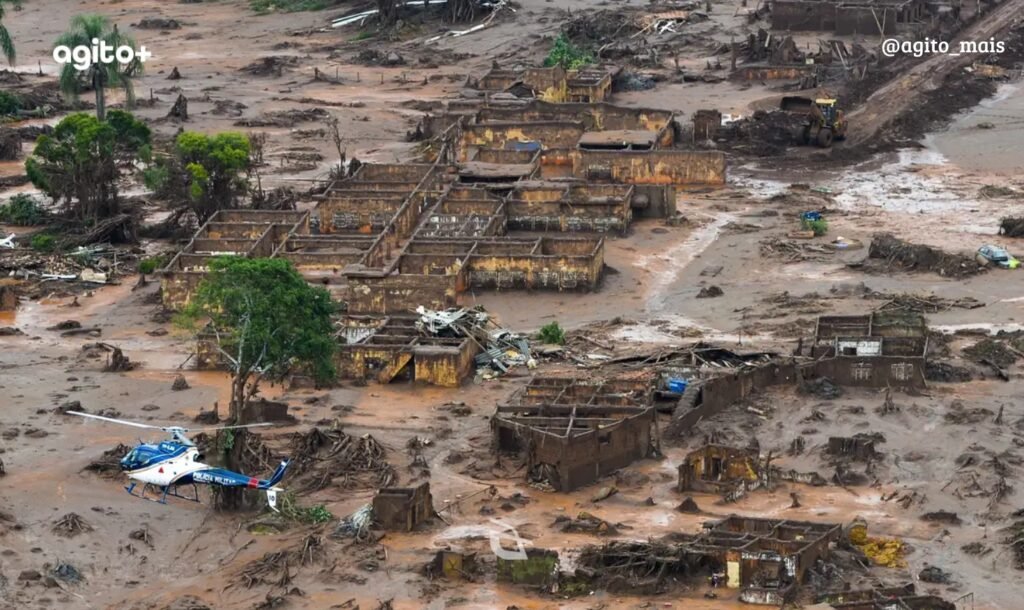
(586,523)
(763,134)
(640,564)
(285,118)
(899,254)
(923,303)
(1012,227)
(501,349)
(1001,350)
(1014,538)
(95,264)
(270,66)
(357,525)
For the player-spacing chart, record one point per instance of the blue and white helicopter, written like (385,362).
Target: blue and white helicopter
(169,464)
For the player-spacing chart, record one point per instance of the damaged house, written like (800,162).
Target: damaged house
(732,472)
(717,469)
(765,559)
(847,17)
(553,84)
(880,349)
(392,237)
(882,598)
(571,432)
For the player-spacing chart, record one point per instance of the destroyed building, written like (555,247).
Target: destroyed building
(390,238)
(403,508)
(571,432)
(722,378)
(765,559)
(251,233)
(881,349)
(385,348)
(552,84)
(882,598)
(717,469)
(732,472)
(847,17)
(435,347)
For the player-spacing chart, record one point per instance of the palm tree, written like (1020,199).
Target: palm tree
(6,44)
(99,76)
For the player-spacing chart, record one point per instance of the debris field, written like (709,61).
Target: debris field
(703,304)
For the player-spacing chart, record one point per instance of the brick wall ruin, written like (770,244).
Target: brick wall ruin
(573,432)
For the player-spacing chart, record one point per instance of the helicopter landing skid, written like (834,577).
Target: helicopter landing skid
(163,492)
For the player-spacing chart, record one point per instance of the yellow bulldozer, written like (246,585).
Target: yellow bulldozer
(825,121)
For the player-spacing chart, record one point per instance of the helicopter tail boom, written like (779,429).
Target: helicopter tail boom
(278,474)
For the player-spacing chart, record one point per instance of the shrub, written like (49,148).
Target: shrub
(820,227)
(552,333)
(9,103)
(22,210)
(43,242)
(564,53)
(311,515)
(151,264)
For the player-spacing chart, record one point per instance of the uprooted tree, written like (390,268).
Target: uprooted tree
(81,163)
(266,322)
(205,173)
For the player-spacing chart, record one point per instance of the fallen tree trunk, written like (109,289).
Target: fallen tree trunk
(116,229)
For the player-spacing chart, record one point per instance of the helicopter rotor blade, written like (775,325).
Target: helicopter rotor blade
(112,420)
(211,428)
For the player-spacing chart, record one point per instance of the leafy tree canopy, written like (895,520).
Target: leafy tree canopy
(81,162)
(209,173)
(267,320)
(564,53)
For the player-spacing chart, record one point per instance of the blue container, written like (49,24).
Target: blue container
(677,386)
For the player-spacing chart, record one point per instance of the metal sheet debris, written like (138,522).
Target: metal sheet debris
(500,348)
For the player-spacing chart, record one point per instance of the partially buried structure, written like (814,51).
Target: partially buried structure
(571,432)
(880,349)
(514,193)
(765,559)
(847,17)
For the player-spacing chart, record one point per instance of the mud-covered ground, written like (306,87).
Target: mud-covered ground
(939,448)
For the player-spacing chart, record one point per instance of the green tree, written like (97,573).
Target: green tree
(81,162)
(98,76)
(552,333)
(6,42)
(266,321)
(564,53)
(209,173)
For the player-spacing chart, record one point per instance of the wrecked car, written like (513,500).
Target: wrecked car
(994,255)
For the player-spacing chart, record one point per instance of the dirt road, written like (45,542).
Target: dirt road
(901,95)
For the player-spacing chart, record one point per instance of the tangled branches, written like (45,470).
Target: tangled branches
(320,456)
